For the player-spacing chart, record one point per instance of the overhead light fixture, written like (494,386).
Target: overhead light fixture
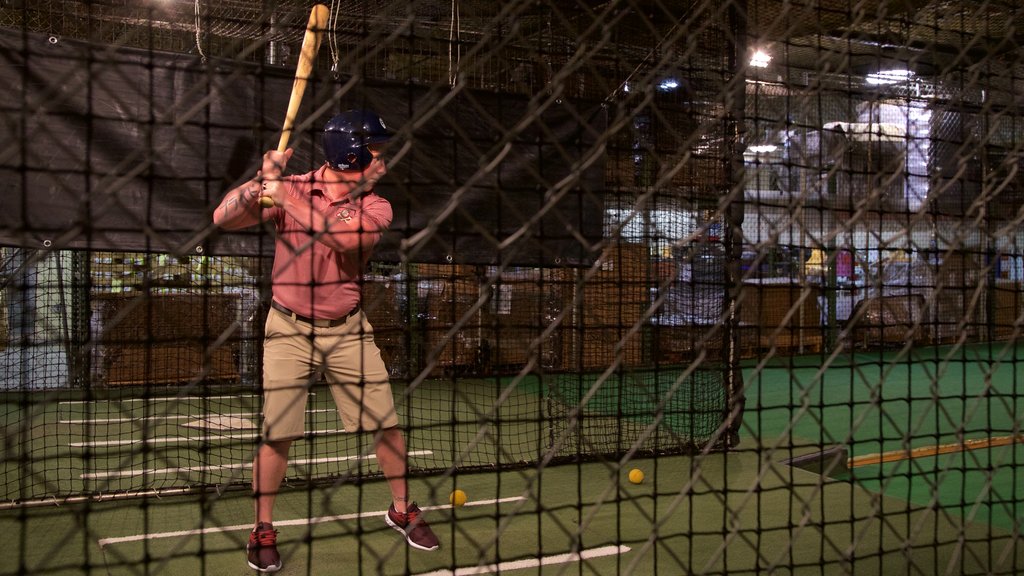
(760,59)
(763,148)
(668,84)
(885,77)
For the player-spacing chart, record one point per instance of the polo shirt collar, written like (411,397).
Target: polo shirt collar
(320,186)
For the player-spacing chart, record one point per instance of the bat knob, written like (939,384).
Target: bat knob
(266,202)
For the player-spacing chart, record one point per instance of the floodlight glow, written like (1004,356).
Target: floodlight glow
(883,77)
(760,59)
(669,84)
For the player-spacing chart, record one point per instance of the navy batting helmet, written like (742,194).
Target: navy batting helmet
(346,136)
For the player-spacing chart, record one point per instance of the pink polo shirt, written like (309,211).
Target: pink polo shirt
(309,277)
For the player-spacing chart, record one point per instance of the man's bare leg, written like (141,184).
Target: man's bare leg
(391,456)
(268,470)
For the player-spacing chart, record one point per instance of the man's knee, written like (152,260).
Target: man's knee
(390,438)
(276,447)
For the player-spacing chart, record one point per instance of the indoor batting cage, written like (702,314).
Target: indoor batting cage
(522,287)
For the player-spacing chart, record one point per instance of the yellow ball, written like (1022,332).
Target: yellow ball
(457,498)
(636,476)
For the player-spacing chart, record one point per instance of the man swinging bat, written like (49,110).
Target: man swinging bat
(328,222)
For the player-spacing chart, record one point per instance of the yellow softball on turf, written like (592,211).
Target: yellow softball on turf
(457,498)
(636,475)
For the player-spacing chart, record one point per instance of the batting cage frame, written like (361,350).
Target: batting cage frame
(685,256)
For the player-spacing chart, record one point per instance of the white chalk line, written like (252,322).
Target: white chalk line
(233,466)
(95,421)
(297,522)
(160,399)
(164,440)
(85,421)
(186,439)
(532,562)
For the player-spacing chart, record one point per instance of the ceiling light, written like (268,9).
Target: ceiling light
(763,148)
(668,84)
(883,77)
(760,59)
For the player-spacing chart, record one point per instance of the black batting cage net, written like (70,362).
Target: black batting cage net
(766,254)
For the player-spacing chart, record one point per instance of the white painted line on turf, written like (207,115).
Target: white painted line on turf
(532,562)
(185,439)
(98,498)
(175,417)
(159,399)
(297,522)
(163,440)
(233,466)
(151,418)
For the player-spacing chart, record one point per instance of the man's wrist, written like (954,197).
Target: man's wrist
(251,192)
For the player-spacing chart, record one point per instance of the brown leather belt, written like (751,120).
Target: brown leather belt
(317,322)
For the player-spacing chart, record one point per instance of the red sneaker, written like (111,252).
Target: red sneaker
(262,549)
(413,526)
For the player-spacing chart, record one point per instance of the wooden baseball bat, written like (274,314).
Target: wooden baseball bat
(303,70)
(925,451)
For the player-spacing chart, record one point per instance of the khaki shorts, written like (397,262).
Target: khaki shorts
(292,353)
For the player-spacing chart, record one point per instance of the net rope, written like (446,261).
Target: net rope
(766,253)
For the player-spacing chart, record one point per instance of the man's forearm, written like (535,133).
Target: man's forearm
(240,207)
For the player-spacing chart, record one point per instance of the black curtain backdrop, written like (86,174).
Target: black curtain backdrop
(126,149)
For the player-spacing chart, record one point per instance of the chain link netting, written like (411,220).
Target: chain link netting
(771,249)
